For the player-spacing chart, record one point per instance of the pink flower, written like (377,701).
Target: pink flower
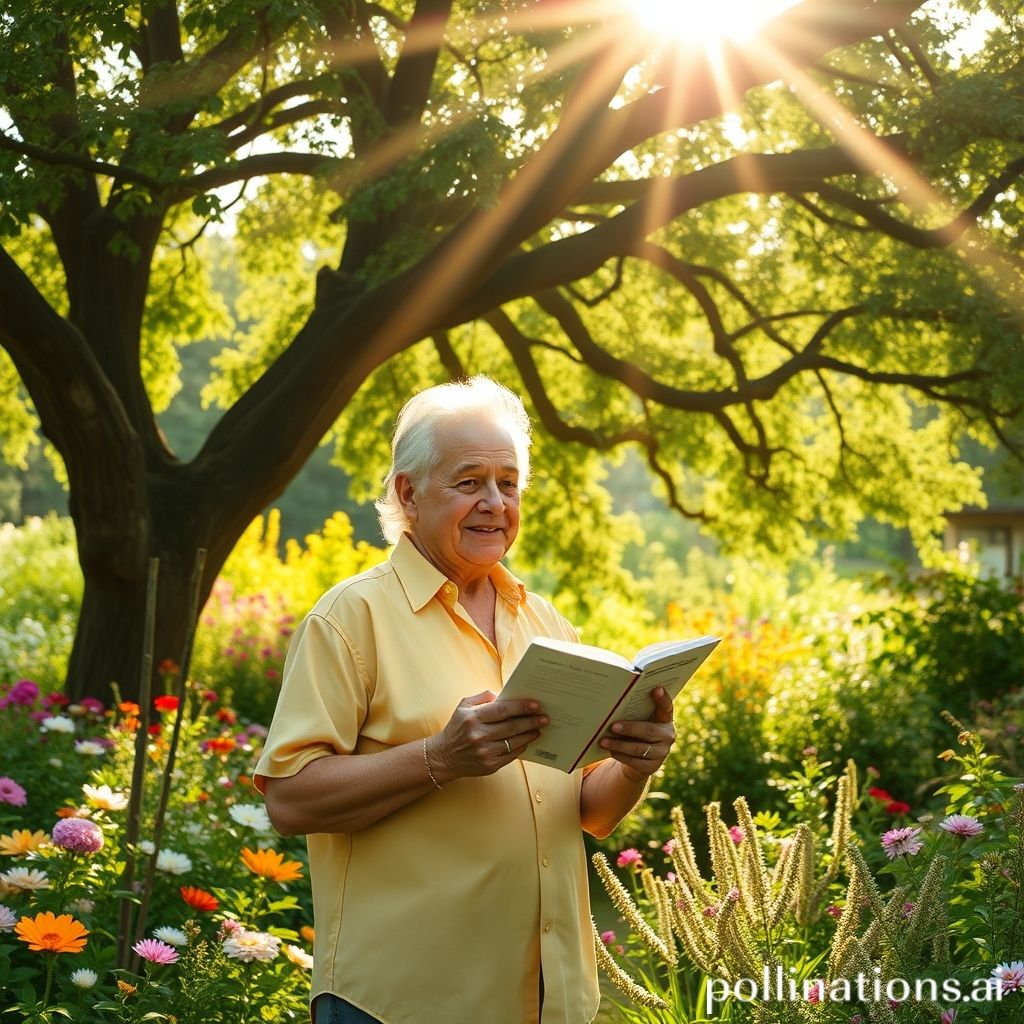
(816,991)
(11,792)
(669,847)
(24,692)
(607,938)
(908,910)
(737,835)
(948,1016)
(809,751)
(1010,976)
(156,952)
(962,825)
(833,910)
(78,835)
(898,842)
(92,705)
(711,911)
(629,857)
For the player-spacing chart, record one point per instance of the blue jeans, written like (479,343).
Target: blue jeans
(332,1010)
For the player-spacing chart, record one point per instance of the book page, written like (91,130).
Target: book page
(575,692)
(671,667)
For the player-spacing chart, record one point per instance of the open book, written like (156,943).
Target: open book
(584,689)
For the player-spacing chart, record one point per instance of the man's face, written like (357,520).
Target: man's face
(465,516)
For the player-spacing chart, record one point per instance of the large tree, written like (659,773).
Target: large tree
(786,269)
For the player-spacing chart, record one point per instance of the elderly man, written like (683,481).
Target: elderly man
(449,877)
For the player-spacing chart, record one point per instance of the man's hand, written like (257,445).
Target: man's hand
(483,735)
(641,747)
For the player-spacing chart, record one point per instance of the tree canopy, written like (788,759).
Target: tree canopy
(785,269)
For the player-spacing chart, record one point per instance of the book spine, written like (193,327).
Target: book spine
(604,725)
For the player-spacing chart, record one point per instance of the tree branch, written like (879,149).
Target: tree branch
(410,84)
(57,158)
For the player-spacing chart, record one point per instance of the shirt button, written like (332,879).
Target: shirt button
(537,797)
(546,862)
(547,926)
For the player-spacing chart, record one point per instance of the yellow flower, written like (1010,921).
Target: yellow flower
(49,933)
(22,841)
(271,864)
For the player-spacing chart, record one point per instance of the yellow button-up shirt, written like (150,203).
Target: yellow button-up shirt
(447,909)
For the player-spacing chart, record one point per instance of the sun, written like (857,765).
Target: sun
(705,22)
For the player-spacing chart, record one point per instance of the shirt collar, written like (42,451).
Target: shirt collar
(422,581)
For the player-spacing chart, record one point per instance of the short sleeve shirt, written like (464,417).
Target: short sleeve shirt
(447,909)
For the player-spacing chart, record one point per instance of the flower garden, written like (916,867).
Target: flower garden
(838,836)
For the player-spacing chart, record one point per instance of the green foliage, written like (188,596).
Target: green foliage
(955,637)
(40,593)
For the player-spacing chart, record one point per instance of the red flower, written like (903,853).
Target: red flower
(897,807)
(168,667)
(226,715)
(166,703)
(219,745)
(154,729)
(881,794)
(198,899)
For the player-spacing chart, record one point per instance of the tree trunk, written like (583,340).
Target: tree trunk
(106,659)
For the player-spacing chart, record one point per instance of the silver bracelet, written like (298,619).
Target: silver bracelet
(426,761)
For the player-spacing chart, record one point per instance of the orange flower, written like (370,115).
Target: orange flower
(126,988)
(198,899)
(67,812)
(219,744)
(271,864)
(307,933)
(51,934)
(22,841)
(129,707)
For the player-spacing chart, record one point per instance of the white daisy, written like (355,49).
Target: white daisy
(8,919)
(25,878)
(146,846)
(84,978)
(57,723)
(104,797)
(89,747)
(252,816)
(173,863)
(172,936)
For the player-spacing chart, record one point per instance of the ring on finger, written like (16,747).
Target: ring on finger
(647,751)
(507,747)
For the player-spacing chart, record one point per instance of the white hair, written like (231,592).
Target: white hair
(415,447)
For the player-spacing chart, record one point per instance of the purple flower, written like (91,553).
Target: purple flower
(899,841)
(156,952)
(962,825)
(80,835)
(24,691)
(11,792)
